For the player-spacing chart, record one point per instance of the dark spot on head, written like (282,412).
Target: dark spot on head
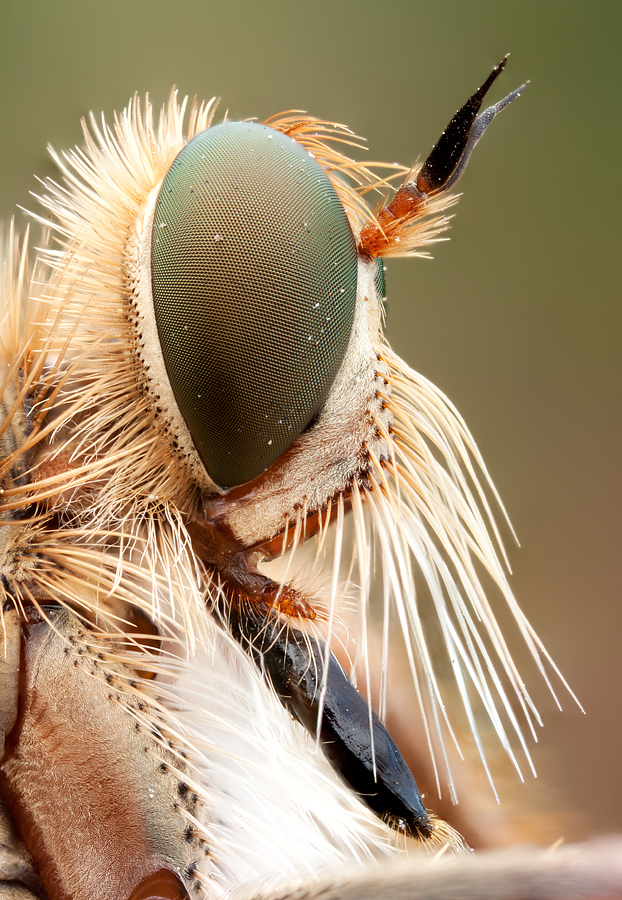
(182,789)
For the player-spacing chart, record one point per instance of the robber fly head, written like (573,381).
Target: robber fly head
(215,360)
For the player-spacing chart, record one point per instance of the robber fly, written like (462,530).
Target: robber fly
(195,386)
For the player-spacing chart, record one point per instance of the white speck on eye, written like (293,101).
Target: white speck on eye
(217,237)
(163,225)
(270,441)
(342,290)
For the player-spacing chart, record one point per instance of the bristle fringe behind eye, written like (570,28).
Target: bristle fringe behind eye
(428,510)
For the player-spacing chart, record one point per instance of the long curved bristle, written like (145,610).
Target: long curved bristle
(428,509)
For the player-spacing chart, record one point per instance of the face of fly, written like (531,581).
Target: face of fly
(210,385)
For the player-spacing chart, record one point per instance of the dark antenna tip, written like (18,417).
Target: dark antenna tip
(449,157)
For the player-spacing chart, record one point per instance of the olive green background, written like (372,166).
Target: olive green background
(517,319)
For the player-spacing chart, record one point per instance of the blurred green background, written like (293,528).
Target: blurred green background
(517,319)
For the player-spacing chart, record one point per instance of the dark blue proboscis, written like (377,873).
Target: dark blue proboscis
(294,663)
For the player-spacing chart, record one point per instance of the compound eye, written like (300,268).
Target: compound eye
(254,273)
(380,281)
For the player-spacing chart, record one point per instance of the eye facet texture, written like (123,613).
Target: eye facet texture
(254,271)
(380,281)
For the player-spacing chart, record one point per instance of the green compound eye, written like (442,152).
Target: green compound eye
(380,280)
(254,274)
